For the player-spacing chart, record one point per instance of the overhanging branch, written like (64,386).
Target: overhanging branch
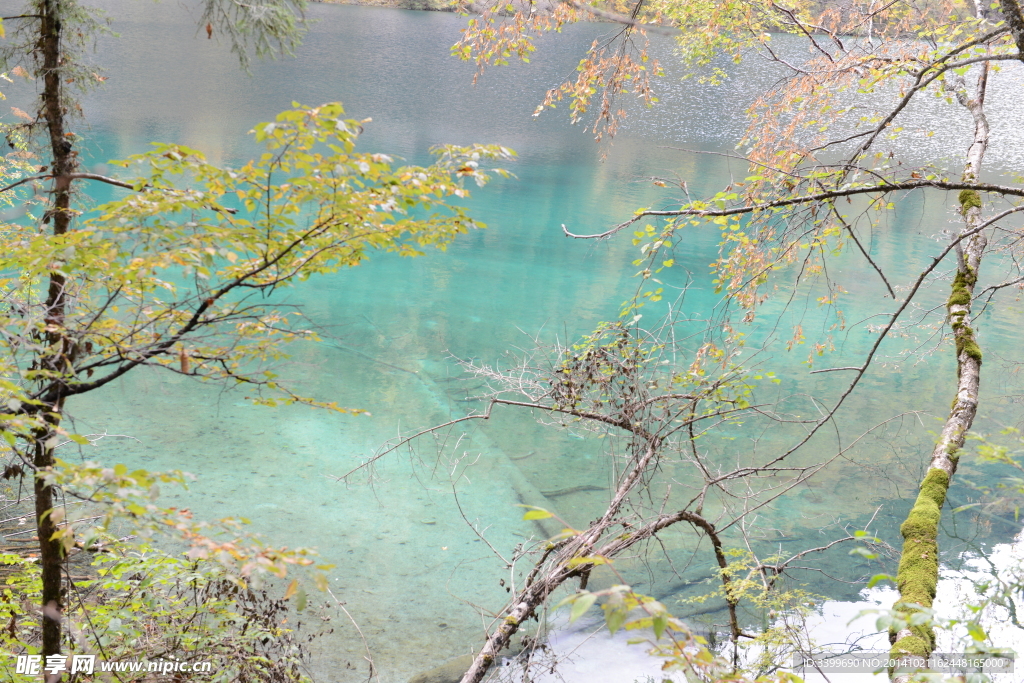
(813,198)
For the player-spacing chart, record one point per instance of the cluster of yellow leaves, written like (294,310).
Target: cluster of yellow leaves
(164,276)
(501,32)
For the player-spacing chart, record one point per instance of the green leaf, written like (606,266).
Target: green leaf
(878,578)
(581,604)
(659,623)
(614,618)
(920,619)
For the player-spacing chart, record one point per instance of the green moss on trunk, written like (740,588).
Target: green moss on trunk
(965,344)
(969,199)
(962,281)
(918,574)
(961,296)
(911,646)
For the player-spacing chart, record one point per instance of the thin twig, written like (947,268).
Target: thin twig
(368,657)
(814,372)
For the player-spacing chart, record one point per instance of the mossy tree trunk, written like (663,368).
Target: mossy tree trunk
(918,574)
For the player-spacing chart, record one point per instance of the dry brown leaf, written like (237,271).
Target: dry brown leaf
(21,114)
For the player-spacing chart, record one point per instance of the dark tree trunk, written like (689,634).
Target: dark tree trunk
(1014,21)
(58,360)
(51,554)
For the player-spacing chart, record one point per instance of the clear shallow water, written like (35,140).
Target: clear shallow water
(408,566)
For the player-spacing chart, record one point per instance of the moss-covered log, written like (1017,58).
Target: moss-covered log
(918,575)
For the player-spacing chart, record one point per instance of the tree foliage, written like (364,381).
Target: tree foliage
(147,606)
(171,276)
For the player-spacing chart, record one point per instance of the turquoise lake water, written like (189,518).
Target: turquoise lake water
(410,569)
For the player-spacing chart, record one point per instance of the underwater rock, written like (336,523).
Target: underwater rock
(449,672)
